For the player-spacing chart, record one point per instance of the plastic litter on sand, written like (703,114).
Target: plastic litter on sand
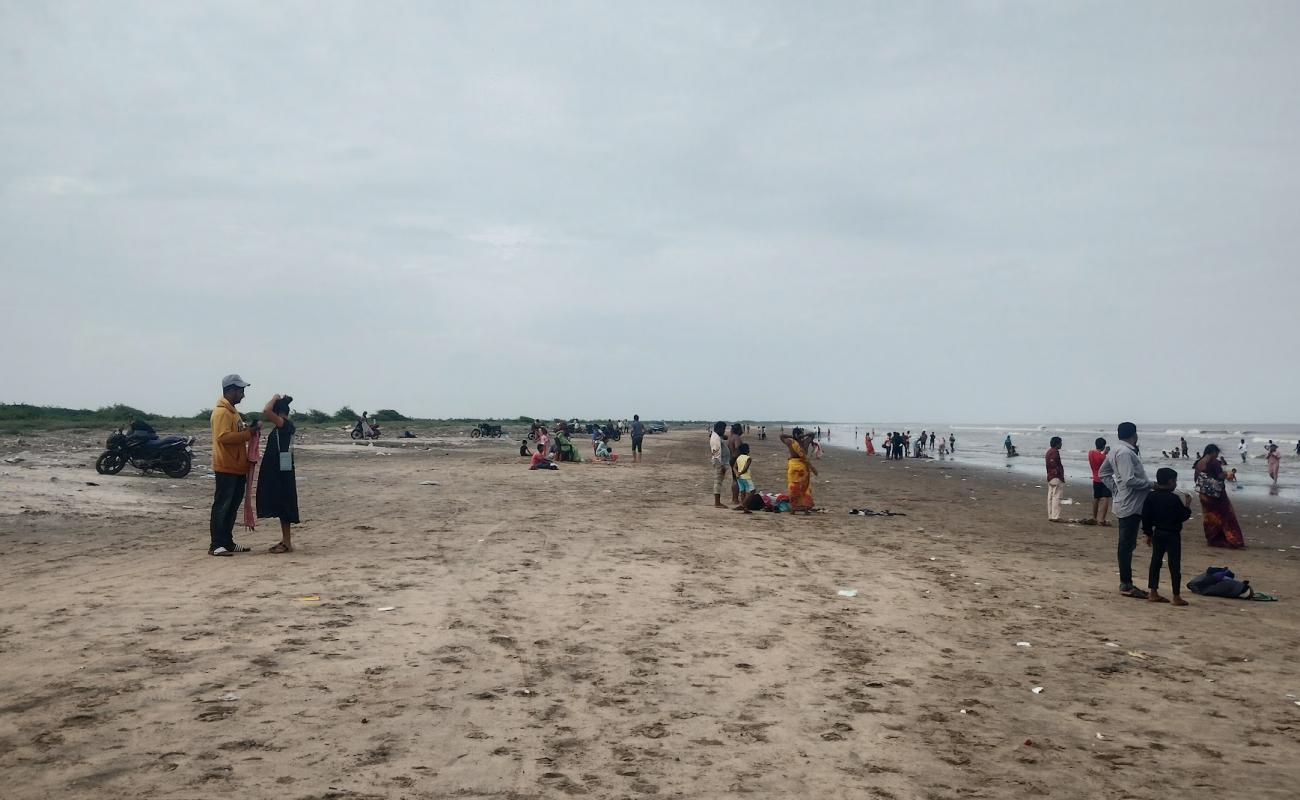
(1037,690)
(847,592)
(1023,644)
(387,608)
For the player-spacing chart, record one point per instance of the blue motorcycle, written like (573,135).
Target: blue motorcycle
(143,449)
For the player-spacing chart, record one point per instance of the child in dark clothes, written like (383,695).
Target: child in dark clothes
(1163,515)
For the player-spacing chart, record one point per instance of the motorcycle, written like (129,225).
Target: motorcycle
(143,449)
(484,429)
(372,433)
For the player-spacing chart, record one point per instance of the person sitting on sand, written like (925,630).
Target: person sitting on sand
(604,452)
(564,449)
(523,448)
(1163,515)
(539,459)
(744,479)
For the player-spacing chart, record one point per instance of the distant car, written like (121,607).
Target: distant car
(656,427)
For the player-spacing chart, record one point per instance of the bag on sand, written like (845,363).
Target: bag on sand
(1219,582)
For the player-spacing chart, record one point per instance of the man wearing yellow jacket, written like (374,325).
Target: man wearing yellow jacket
(230,463)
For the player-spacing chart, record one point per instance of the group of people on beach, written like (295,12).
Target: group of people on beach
(553,449)
(730,464)
(1156,508)
(241,466)
(896,445)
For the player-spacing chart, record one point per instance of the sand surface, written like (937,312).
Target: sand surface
(602,631)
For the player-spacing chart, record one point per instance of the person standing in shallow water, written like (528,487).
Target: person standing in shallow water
(277,483)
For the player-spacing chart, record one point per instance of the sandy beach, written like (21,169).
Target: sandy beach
(602,631)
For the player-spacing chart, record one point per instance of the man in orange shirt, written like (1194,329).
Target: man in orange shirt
(1101,494)
(230,463)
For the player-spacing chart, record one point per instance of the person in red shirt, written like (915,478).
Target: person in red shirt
(539,460)
(1055,479)
(1101,494)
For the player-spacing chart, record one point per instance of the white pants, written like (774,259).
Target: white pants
(1055,490)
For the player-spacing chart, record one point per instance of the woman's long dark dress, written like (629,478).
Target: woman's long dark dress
(277,492)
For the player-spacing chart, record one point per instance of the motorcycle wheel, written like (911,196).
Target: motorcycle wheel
(356,434)
(177,467)
(110,462)
(496,434)
(474,434)
(532,437)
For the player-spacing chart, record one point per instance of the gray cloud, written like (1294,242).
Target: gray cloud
(851,211)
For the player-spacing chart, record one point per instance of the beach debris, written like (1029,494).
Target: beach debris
(847,593)
(1067,502)
(1139,655)
(15,460)
(187,508)
(229,697)
(1037,690)
(388,608)
(91,483)
(429,483)
(309,598)
(1112,644)
(1099,736)
(1023,644)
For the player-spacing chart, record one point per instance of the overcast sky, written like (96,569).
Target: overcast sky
(853,211)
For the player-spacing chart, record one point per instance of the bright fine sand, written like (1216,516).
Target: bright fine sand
(603,631)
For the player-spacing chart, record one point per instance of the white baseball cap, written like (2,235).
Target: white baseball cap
(233,380)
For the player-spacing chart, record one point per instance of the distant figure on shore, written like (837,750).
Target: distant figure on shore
(1182,445)
(1008,445)
(1242,448)
(719,460)
(943,449)
(1274,461)
(952,443)
(799,470)
(523,449)
(871,449)
(931,440)
(899,443)
(1101,495)
(1123,474)
(539,459)
(604,452)
(1163,515)
(762,432)
(1055,479)
(1217,515)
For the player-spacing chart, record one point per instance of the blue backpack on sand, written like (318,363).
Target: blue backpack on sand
(1220,582)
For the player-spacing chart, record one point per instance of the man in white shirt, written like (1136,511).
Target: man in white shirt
(719,461)
(1241,448)
(1123,474)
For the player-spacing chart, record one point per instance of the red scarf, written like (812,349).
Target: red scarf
(254,455)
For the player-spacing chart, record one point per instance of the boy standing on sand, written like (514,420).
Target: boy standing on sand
(1123,474)
(1163,515)
(1055,479)
(1101,495)
(744,479)
(638,434)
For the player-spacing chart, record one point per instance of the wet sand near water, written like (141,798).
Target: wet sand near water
(602,631)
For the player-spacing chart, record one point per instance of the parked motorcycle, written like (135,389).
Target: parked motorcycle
(372,433)
(143,449)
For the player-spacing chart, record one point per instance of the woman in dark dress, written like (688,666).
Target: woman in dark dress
(277,489)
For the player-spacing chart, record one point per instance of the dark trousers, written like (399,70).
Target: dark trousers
(1128,542)
(225,507)
(1172,543)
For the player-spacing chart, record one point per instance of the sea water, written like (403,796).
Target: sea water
(982,445)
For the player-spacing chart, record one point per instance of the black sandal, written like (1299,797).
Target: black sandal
(1134,592)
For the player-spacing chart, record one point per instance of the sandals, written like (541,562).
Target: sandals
(280,547)
(220,551)
(239,548)
(1134,592)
